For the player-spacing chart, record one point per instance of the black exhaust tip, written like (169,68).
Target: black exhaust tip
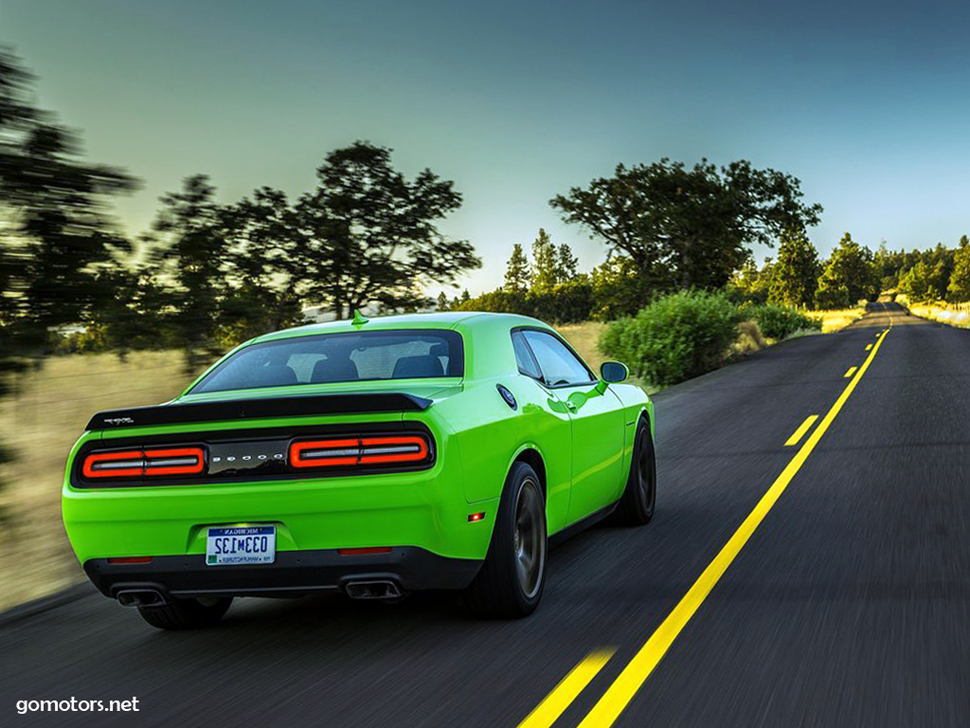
(140,598)
(377,589)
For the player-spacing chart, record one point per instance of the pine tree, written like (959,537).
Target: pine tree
(443,302)
(567,265)
(794,278)
(849,276)
(917,283)
(517,270)
(959,289)
(544,263)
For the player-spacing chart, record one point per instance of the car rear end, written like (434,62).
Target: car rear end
(224,493)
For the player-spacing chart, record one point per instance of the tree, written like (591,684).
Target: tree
(368,235)
(959,289)
(848,277)
(688,227)
(544,263)
(567,265)
(517,275)
(189,248)
(260,266)
(442,302)
(56,234)
(617,289)
(794,278)
(917,283)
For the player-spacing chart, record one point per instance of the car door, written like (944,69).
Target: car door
(596,418)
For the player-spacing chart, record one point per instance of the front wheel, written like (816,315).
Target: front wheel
(186,613)
(510,582)
(640,495)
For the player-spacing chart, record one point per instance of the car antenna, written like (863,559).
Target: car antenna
(359,318)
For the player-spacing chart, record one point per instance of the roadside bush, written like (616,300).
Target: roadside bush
(676,337)
(780,322)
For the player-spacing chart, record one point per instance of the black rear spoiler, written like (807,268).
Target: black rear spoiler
(256,409)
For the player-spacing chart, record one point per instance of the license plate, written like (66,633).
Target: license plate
(240,545)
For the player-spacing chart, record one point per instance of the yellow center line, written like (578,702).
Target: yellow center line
(800,432)
(549,710)
(868,346)
(850,372)
(628,682)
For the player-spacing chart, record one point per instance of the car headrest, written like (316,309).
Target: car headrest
(277,375)
(418,366)
(334,370)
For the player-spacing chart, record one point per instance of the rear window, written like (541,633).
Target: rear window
(352,357)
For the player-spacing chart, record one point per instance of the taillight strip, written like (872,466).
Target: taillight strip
(144,463)
(359,451)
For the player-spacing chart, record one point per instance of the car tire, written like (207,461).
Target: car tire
(636,505)
(186,613)
(510,582)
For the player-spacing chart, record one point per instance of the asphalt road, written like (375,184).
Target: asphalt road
(848,605)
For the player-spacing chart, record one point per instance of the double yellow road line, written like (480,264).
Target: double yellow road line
(605,712)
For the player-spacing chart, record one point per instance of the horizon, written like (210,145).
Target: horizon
(864,109)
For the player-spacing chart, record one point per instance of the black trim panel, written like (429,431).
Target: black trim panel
(582,524)
(256,409)
(294,573)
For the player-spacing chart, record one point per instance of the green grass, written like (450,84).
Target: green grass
(40,422)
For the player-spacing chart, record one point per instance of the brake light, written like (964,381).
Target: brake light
(144,463)
(130,463)
(352,452)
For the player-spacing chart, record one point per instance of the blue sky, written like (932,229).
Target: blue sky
(868,103)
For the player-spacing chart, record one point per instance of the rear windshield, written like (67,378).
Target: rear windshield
(353,357)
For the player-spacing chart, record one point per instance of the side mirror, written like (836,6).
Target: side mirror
(613,372)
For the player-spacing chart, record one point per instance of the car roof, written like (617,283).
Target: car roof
(456,320)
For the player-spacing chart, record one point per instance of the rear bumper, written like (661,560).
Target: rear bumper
(294,573)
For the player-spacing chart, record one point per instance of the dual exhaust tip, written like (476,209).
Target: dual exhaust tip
(374,589)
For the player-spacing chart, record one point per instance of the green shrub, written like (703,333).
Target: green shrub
(676,337)
(780,322)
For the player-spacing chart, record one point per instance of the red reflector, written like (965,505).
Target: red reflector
(360,552)
(131,560)
(359,451)
(476,517)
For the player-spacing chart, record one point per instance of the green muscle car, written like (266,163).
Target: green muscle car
(375,457)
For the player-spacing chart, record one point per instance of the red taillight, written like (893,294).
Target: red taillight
(148,463)
(130,463)
(346,452)
(131,560)
(175,461)
(318,453)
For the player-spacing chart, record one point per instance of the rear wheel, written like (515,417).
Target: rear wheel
(511,580)
(186,613)
(640,496)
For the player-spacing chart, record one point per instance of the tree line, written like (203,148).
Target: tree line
(853,273)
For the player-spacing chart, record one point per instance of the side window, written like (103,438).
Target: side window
(558,364)
(523,356)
